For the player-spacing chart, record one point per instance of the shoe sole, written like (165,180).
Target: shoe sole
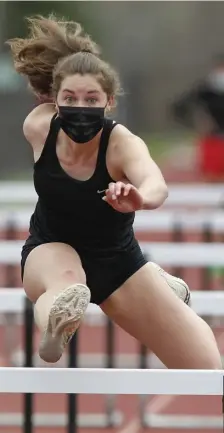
(179,281)
(187,299)
(64,319)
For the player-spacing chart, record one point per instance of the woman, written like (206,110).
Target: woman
(91,175)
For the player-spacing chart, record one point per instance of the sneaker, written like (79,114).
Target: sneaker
(64,319)
(179,287)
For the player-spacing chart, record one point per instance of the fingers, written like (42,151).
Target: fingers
(117,189)
(127,189)
(111,191)
(114,190)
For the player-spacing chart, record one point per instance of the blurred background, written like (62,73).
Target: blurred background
(170,56)
(163,50)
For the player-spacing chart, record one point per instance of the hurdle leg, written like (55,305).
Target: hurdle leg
(143,398)
(72,398)
(177,236)
(223,403)
(71,420)
(110,402)
(189,422)
(142,365)
(10,319)
(28,343)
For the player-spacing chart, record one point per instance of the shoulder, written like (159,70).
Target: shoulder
(124,142)
(37,123)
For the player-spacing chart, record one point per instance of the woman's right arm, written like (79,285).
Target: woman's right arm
(36,127)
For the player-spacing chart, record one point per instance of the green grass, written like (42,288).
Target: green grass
(163,145)
(20,175)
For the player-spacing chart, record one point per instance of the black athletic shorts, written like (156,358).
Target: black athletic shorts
(105,272)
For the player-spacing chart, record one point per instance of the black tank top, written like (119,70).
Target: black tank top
(72,211)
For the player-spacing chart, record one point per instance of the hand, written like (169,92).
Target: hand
(123,197)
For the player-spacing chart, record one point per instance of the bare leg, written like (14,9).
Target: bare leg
(55,280)
(149,311)
(179,287)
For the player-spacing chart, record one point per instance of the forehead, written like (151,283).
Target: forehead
(81,83)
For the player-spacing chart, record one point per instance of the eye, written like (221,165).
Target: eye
(91,100)
(69,99)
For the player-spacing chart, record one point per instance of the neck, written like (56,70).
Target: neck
(83,149)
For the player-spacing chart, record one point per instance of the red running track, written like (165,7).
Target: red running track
(91,340)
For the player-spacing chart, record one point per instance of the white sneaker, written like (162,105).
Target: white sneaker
(178,285)
(64,319)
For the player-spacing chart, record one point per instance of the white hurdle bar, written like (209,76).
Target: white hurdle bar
(12,300)
(190,254)
(17,192)
(111,381)
(161,220)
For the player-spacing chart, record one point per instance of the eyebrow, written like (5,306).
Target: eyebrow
(90,92)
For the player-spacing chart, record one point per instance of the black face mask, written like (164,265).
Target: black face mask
(81,124)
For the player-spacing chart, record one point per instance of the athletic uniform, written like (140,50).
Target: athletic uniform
(73,212)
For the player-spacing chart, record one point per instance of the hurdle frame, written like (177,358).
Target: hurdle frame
(112,381)
(111,418)
(28,420)
(168,421)
(147,420)
(190,194)
(138,382)
(14,299)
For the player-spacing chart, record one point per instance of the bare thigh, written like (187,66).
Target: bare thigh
(147,309)
(51,266)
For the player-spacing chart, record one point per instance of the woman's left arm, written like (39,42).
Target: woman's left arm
(142,172)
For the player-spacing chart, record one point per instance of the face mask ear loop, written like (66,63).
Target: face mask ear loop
(106,108)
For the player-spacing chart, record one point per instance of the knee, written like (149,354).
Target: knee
(214,363)
(71,276)
(211,357)
(211,360)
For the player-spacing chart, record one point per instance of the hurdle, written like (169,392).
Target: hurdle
(13,300)
(111,381)
(156,220)
(192,254)
(12,193)
(178,223)
(114,382)
(161,220)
